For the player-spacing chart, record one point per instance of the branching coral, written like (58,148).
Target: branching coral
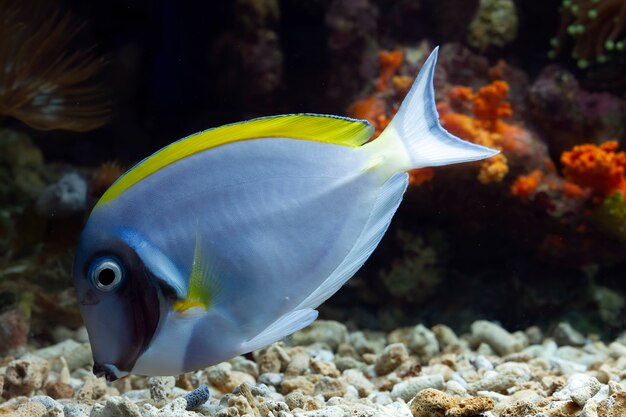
(600,168)
(485,126)
(596,27)
(41,83)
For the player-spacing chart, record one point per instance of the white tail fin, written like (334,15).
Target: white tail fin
(415,138)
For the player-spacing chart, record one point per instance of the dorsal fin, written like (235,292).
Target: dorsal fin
(315,127)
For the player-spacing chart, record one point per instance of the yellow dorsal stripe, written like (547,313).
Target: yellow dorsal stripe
(320,128)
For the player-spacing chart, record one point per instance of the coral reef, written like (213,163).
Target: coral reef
(43,82)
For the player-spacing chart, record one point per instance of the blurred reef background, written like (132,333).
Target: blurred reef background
(533,236)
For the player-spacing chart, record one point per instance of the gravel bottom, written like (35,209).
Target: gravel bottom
(326,371)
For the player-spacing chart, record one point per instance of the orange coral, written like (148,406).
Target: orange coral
(104,176)
(368,108)
(390,61)
(600,168)
(526,185)
(489,105)
(420,176)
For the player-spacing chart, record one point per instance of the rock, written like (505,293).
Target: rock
(324,368)
(116,407)
(348,362)
(590,409)
(271,378)
(296,399)
(367,342)
(73,410)
(21,167)
(59,390)
(161,388)
(565,335)
(614,406)
(480,362)
(65,198)
(391,357)
(24,376)
(14,329)
(579,388)
(501,341)
(445,336)
(433,403)
(242,364)
(356,378)
(176,408)
(423,343)
(330,387)
(30,409)
(298,364)
(48,402)
(408,388)
(504,376)
(273,358)
(323,331)
(92,389)
(333,411)
(298,383)
(197,397)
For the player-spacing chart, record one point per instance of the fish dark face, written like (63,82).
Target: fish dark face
(119,302)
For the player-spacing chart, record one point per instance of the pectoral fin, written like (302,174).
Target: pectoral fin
(203,281)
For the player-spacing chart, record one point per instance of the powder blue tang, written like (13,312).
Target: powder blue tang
(227,240)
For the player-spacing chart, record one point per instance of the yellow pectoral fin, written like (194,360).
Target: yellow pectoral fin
(203,286)
(321,128)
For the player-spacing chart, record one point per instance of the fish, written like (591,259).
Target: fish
(228,240)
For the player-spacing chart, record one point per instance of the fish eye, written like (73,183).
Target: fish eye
(106,274)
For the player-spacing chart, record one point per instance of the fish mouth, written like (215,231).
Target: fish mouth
(109,371)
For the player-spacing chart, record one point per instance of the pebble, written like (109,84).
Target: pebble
(48,402)
(433,403)
(504,376)
(356,376)
(423,343)
(390,358)
(24,376)
(501,341)
(565,335)
(407,389)
(331,333)
(197,397)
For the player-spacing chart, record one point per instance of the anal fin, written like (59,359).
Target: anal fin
(283,327)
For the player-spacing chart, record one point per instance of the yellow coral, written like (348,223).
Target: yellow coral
(493,169)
